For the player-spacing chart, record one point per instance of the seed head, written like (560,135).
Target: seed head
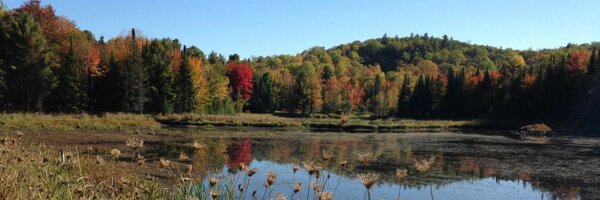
(280,196)
(213,181)
(242,167)
(115,153)
(134,143)
(316,186)
(189,169)
(369,179)
(271,176)
(326,155)
(401,174)
(295,167)
(297,187)
(251,171)
(214,194)
(197,145)
(425,165)
(326,196)
(164,163)
(365,158)
(183,156)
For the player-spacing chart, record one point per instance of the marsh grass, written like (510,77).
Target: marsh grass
(37,172)
(335,123)
(115,121)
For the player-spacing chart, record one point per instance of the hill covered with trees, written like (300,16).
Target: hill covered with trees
(48,64)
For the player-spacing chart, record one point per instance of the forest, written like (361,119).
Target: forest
(47,64)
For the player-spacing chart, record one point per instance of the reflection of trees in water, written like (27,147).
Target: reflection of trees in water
(239,151)
(390,153)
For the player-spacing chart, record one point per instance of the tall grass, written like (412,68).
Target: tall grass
(31,171)
(76,121)
(334,123)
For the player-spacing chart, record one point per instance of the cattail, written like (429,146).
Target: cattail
(214,194)
(213,181)
(297,187)
(197,145)
(134,143)
(251,171)
(326,196)
(326,155)
(295,167)
(401,174)
(115,153)
(271,176)
(183,156)
(369,179)
(164,163)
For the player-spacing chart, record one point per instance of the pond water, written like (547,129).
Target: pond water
(467,165)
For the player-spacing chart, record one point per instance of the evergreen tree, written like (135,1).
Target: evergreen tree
(27,62)
(265,98)
(69,96)
(137,78)
(404,98)
(185,86)
(300,95)
(161,77)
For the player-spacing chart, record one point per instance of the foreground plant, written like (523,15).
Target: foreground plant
(400,175)
(35,172)
(425,167)
(368,180)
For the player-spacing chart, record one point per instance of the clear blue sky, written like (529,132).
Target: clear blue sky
(268,27)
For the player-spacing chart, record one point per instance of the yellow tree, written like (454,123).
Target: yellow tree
(200,84)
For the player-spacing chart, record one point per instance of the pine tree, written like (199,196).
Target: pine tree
(160,92)
(137,78)
(300,95)
(265,98)
(404,98)
(185,86)
(70,96)
(27,62)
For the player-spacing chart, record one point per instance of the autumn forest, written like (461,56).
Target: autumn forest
(47,64)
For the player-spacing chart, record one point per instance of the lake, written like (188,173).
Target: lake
(467,165)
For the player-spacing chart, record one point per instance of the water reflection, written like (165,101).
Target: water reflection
(459,171)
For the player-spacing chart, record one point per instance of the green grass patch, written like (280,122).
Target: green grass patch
(76,121)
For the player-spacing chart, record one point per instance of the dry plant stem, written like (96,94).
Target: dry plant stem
(308,189)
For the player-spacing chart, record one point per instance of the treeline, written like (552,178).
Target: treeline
(47,64)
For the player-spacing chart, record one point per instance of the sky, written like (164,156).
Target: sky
(272,27)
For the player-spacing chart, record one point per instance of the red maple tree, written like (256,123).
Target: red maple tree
(240,79)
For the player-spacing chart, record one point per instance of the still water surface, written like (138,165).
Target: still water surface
(467,165)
